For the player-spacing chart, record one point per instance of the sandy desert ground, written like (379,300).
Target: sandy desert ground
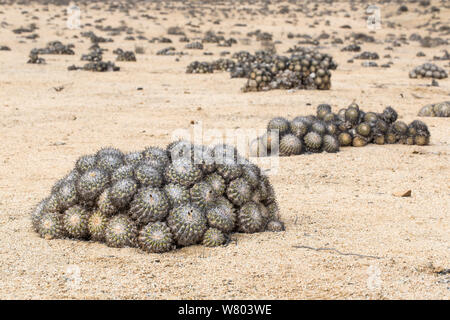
(379,246)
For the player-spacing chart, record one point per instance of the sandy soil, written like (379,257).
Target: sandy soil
(386,247)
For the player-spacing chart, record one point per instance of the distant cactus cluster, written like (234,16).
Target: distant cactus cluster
(227,65)
(96,63)
(428,70)
(95,55)
(441,109)
(124,55)
(200,67)
(159,199)
(304,69)
(169,51)
(366,55)
(327,131)
(35,59)
(53,47)
(197,45)
(211,37)
(96,66)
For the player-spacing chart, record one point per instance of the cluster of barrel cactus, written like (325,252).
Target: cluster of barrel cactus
(212,37)
(96,66)
(194,45)
(159,199)
(200,67)
(441,109)
(95,55)
(428,70)
(367,55)
(96,63)
(227,65)
(124,55)
(169,51)
(35,59)
(55,47)
(304,69)
(327,131)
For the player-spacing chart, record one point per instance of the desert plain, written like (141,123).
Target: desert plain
(348,236)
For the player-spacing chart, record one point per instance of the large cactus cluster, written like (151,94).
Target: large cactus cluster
(159,199)
(304,69)
(440,109)
(328,131)
(428,70)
